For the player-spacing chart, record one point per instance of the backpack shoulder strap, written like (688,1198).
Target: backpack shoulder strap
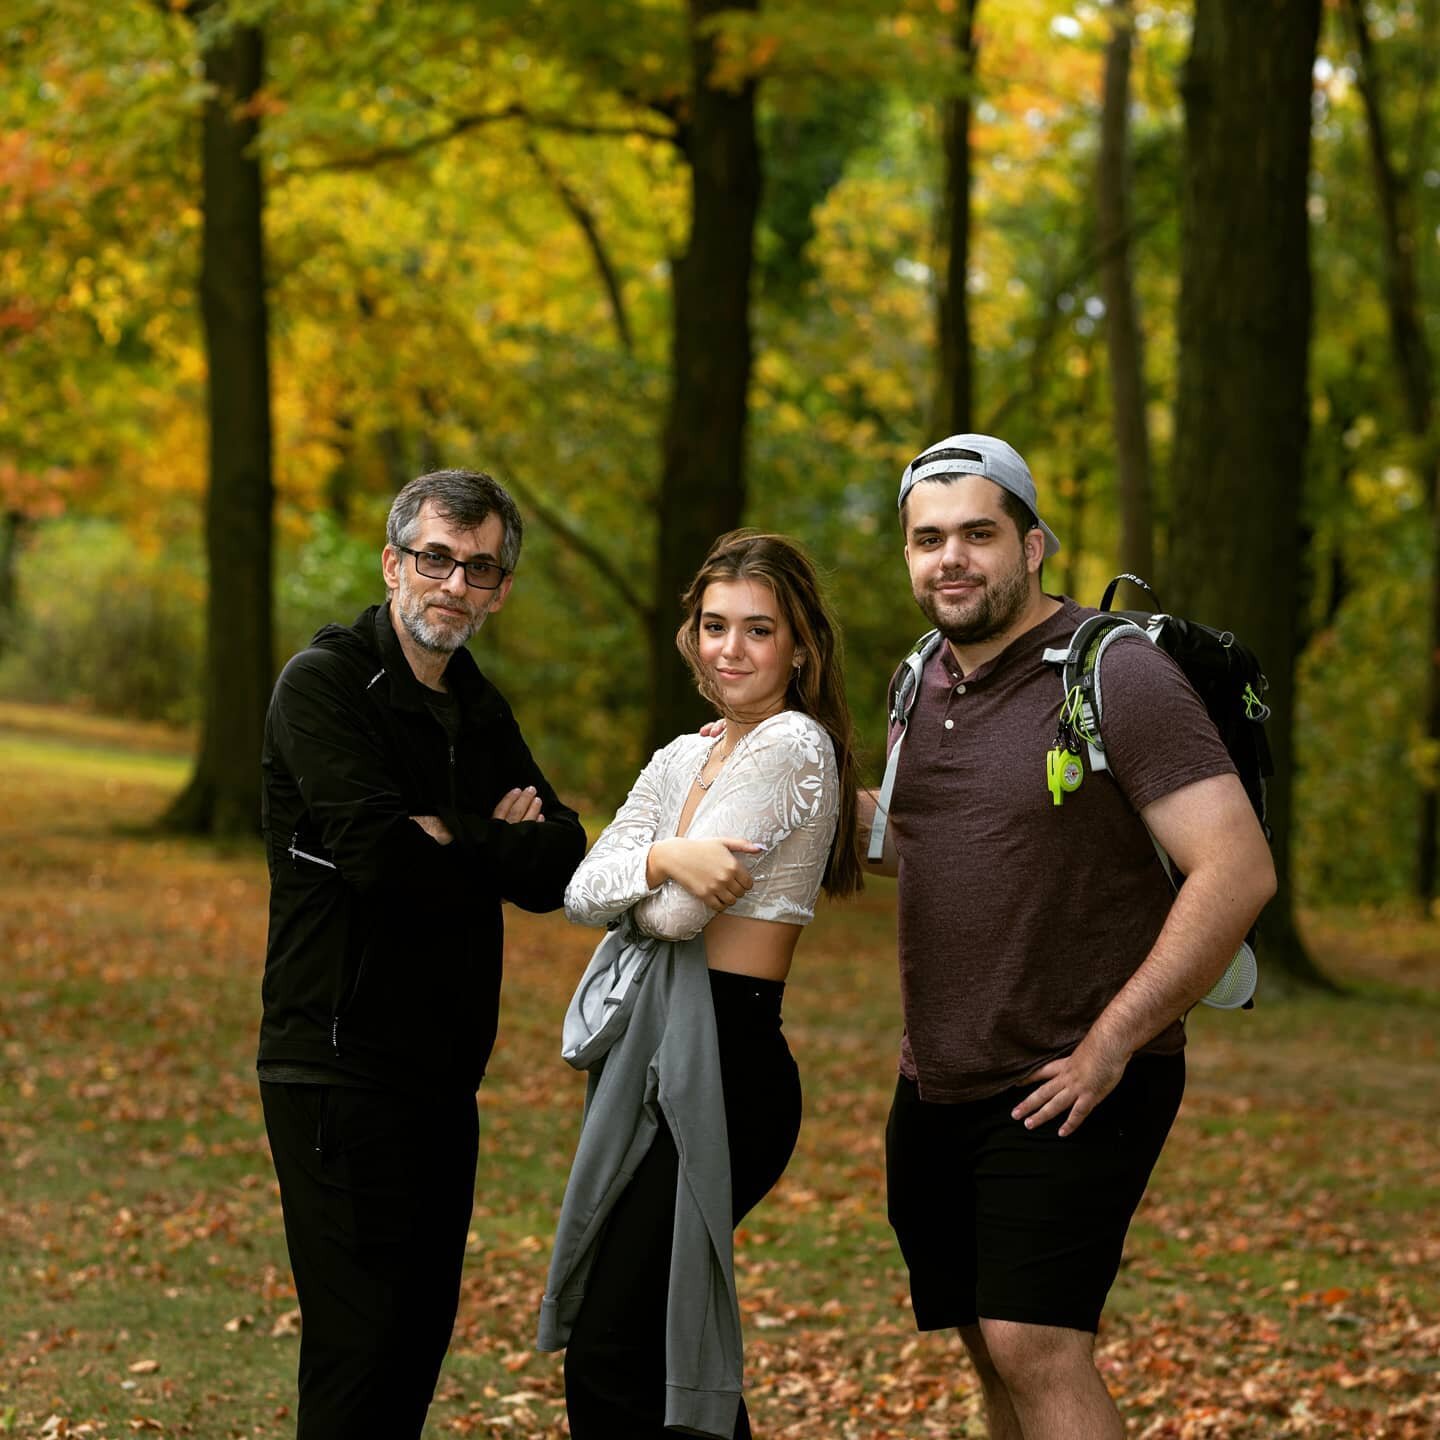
(1082,705)
(907,687)
(1079,666)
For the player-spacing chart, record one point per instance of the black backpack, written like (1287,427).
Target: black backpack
(1224,673)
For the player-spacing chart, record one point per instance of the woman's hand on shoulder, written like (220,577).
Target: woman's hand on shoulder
(710,870)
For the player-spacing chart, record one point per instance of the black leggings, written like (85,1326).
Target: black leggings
(615,1359)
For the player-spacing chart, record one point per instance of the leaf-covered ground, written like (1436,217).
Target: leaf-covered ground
(1283,1277)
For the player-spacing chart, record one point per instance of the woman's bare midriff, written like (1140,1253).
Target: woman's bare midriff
(744,946)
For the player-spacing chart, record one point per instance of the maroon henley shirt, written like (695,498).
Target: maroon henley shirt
(1021,919)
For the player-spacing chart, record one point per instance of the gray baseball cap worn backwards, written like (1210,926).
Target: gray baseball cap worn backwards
(978,455)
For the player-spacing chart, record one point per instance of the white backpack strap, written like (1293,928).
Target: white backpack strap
(1093,707)
(1236,987)
(1075,675)
(1166,864)
(1095,703)
(906,692)
(876,851)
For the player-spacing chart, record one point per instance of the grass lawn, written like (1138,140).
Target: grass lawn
(1283,1276)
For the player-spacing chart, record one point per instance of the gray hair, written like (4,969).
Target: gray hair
(463,498)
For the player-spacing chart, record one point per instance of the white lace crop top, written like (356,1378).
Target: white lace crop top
(779,788)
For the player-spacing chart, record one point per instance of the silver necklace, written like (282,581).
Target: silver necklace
(725,755)
(700,779)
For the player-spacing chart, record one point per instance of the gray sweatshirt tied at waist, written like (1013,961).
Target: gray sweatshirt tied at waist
(643,1024)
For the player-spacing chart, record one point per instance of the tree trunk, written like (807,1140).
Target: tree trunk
(955,384)
(1078,497)
(1242,409)
(1426,857)
(391,444)
(12,532)
(702,483)
(428,456)
(223,796)
(1414,363)
(1122,323)
(1075,527)
(342,481)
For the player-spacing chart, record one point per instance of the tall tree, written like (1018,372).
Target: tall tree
(222,797)
(955,378)
(1122,322)
(1242,410)
(702,481)
(1400,236)
(12,524)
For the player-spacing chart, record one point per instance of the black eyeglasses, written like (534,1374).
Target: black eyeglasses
(479,574)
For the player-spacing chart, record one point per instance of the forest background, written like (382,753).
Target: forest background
(664,270)
(664,267)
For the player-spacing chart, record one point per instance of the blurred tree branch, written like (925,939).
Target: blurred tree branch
(463,124)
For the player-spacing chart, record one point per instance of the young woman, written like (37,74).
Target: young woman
(705,877)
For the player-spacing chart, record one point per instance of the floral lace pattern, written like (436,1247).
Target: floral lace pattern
(779,789)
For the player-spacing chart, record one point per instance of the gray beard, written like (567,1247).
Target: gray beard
(431,637)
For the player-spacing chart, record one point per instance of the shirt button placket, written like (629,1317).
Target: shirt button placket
(954,691)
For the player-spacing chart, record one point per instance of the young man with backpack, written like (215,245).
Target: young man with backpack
(1046,961)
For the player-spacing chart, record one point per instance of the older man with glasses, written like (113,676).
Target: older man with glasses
(401,808)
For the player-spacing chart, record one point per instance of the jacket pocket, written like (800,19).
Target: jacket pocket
(299,856)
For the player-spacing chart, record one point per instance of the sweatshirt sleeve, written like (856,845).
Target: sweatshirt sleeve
(1158,735)
(530,861)
(779,791)
(322,737)
(611,878)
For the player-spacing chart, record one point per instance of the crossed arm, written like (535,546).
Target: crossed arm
(514,806)
(629,867)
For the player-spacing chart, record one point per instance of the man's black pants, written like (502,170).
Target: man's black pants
(376,1189)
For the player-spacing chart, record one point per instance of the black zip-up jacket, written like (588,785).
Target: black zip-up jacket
(384,954)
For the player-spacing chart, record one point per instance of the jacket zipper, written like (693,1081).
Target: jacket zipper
(342,1004)
(297,854)
(329,865)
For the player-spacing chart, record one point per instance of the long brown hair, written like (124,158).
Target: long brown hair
(817,685)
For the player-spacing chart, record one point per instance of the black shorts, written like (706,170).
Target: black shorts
(1005,1223)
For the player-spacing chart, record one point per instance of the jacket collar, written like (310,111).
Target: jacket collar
(475,693)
